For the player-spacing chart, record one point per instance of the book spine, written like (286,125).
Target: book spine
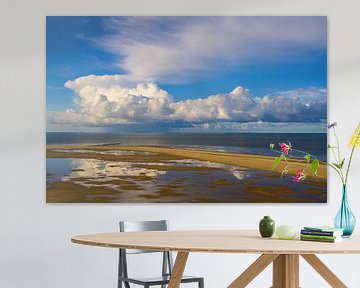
(320,233)
(319,236)
(318,239)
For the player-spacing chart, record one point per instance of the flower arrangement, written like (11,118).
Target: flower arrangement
(310,163)
(291,156)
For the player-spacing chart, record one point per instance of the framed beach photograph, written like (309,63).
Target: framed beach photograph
(203,109)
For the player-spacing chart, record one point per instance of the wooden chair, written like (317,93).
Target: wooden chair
(167,263)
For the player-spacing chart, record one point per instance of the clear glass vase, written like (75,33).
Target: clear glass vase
(345,219)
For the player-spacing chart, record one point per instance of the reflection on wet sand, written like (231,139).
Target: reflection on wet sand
(114,175)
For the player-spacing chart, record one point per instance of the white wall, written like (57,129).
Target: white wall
(35,248)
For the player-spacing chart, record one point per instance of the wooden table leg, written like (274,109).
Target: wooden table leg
(293,264)
(178,269)
(324,271)
(286,271)
(253,270)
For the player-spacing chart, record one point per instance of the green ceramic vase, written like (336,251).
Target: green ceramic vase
(267,227)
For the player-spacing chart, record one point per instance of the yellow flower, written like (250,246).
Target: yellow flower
(355,138)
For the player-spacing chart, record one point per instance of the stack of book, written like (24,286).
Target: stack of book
(321,234)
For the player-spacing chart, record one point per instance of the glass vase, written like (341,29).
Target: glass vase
(345,219)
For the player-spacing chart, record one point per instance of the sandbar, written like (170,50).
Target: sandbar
(258,162)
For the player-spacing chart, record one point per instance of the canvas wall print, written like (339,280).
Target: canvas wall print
(185,109)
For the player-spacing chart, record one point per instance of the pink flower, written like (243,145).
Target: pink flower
(284,148)
(300,176)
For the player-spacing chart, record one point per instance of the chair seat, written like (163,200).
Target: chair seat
(158,280)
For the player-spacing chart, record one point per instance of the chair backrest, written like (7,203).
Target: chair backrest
(137,226)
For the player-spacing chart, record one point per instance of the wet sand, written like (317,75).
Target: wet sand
(182,186)
(243,160)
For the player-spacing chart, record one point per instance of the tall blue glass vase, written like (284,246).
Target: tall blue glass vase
(345,219)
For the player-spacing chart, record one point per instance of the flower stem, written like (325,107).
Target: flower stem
(339,160)
(348,167)
(334,154)
(338,145)
(323,162)
(351,156)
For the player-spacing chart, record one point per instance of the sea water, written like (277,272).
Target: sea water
(251,143)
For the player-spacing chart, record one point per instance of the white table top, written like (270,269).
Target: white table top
(216,241)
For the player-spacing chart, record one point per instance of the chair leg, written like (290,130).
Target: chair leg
(120,273)
(126,284)
(201,283)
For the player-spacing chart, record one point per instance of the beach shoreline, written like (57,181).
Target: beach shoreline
(251,161)
(159,174)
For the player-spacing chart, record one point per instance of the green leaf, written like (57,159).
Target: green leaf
(282,157)
(336,165)
(314,167)
(308,158)
(271,146)
(276,162)
(339,166)
(342,163)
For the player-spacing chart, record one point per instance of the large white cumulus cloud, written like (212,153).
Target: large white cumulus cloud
(114,99)
(106,99)
(235,106)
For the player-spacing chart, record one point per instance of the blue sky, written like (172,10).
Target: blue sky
(115,71)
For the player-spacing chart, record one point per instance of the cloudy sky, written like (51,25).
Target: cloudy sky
(188,74)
